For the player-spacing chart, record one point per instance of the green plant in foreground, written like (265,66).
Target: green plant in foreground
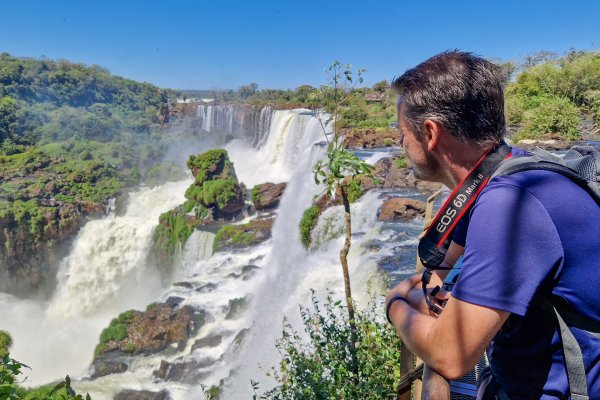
(319,365)
(10,369)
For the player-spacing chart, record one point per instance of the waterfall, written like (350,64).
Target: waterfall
(99,279)
(198,247)
(247,122)
(244,294)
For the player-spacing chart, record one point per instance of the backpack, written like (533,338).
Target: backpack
(581,164)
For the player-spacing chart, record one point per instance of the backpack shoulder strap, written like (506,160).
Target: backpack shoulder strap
(580,169)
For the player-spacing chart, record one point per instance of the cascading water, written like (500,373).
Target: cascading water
(98,280)
(244,294)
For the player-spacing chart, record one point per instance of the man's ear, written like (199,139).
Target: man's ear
(433,130)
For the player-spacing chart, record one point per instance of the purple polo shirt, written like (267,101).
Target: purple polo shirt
(529,234)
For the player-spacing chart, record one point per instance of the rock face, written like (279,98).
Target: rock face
(266,196)
(397,208)
(143,333)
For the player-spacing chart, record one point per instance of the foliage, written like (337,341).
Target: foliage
(354,190)
(208,164)
(233,235)
(318,365)
(307,223)
(218,192)
(10,369)
(172,232)
(5,343)
(556,115)
(551,94)
(401,162)
(116,330)
(255,194)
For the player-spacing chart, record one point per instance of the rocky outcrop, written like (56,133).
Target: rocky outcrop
(142,395)
(398,208)
(214,198)
(266,196)
(41,210)
(551,142)
(234,237)
(134,332)
(355,138)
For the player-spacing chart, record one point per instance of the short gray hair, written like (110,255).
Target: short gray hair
(459,90)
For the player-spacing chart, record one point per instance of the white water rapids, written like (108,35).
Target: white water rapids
(105,274)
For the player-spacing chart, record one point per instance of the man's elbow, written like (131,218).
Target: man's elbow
(453,368)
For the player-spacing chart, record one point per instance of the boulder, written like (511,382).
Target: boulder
(267,195)
(397,208)
(108,367)
(160,326)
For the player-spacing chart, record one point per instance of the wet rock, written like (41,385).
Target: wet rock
(142,395)
(236,307)
(398,208)
(267,195)
(108,367)
(183,371)
(232,237)
(174,301)
(248,271)
(208,341)
(184,284)
(160,326)
(208,287)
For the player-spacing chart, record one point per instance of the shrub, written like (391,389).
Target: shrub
(557,115)
(5,343)
(319,367)
(307,223)
(401,162)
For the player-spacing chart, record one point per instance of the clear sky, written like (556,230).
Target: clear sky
(202,44)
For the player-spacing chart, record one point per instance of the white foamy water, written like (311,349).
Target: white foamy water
(100,278)
(244,295)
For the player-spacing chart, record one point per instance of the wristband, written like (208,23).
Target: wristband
(389,305)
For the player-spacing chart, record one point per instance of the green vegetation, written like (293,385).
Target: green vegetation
(232,235)
(401,162)
(238,236)
(209,164)
(308,221)
(170,235)
(255,195)
(320,367)
(5,343)
(218,192)
(354,190)
(117,330)
(551,95)
(10,370)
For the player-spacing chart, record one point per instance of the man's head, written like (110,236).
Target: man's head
(459,91)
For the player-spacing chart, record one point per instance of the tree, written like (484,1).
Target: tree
(339,164)
(381,86)
(8,118)
(246,91)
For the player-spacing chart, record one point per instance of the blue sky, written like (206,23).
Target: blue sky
(283,44)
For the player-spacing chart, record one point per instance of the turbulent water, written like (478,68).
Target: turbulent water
(244,295)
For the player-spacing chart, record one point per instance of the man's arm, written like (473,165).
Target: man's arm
(451,344)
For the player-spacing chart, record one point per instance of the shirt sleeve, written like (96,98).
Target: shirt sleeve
(512,247)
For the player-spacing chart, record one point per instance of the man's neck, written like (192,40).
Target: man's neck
(458,160)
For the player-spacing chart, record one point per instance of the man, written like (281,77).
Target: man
(525,237)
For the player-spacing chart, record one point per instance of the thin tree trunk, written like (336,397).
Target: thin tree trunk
(347,289)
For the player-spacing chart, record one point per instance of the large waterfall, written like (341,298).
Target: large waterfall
(245,294)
